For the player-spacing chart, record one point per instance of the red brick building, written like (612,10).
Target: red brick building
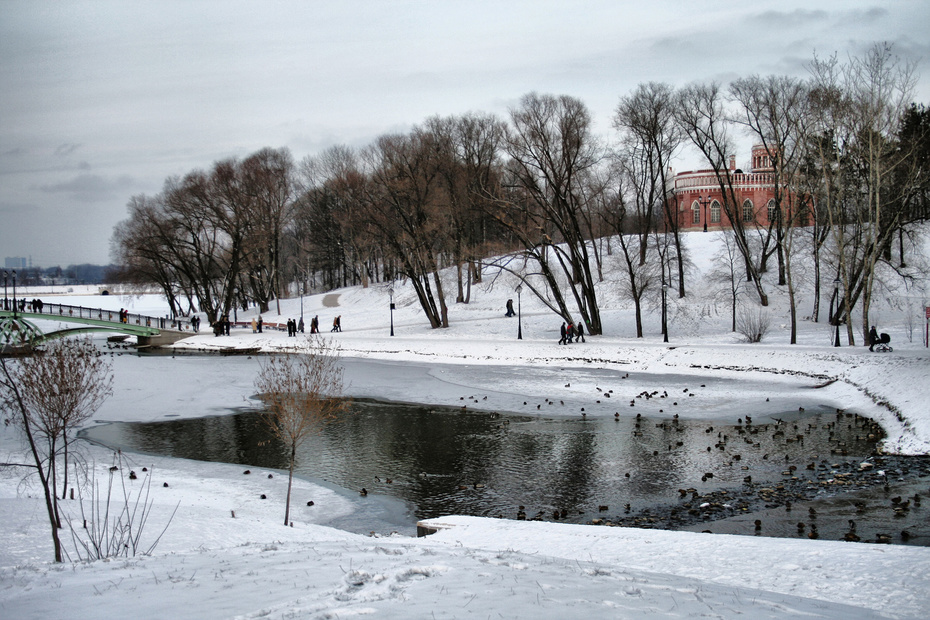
(699,201)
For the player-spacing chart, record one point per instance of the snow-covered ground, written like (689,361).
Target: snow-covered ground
(227,554)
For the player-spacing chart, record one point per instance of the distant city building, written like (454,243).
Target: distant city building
(699,200)
(15,262)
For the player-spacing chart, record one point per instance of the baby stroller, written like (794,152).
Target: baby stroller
(883,345)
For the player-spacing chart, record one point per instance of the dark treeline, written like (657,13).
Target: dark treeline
(72,274)
(540,197)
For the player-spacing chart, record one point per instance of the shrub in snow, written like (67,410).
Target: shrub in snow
(752,323)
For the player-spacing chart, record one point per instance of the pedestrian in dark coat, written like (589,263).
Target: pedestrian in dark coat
(510,311)
(259,323)
(580,331)
(564,333)
(873,339)
(315,325)
(300,325)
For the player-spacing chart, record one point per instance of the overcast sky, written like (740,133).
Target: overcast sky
(100,101)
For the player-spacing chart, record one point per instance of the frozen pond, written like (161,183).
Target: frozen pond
(442,461)
(565,458)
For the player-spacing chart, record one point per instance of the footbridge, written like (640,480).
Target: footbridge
(17,327)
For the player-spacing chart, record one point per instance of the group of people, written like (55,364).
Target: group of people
(11,303)
(123,315)
(295,326)
(222,326)
(572,333)
(35,305)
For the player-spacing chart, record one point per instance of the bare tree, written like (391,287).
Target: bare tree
(860,106)
(269,188)
(640,274)
(703,118)
(650,136)
(724,277)
(469,160)
(405,207)
(303,392)
(50,395)
(331,232)
(552,157)
(775,110)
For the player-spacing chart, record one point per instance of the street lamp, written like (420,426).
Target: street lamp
(664,313)
(14,293)
(704,202)
(519,314)
(836,295)
(391,293)
(6,304)
(302,302)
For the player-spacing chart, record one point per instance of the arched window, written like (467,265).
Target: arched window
(748,211)
(715,212)
(695,212)
(771,210)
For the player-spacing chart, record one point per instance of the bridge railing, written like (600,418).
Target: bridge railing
(112,316)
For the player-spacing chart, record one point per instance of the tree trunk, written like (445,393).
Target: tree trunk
(290,480)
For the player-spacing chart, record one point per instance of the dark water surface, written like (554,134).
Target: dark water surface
(442,461)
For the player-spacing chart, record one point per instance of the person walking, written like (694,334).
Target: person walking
(564,333)
(254,325)
(300,325)
(873,339)
(580,332)
(570,333)
(315,325)
(510,311)
(259,323)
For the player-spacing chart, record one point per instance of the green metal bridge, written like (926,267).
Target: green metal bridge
(18,330)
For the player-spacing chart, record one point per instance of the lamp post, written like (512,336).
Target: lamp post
(664,313)
(391,293)
(836,295)
(704,202)
(14,293)
(519,314)
(6,304)
(302,302)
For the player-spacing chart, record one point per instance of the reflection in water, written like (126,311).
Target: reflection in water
(446,461)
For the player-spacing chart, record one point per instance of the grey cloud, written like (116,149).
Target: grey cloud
(66,149)
(15,152)
(787,19)
(869,15)
(91,187)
